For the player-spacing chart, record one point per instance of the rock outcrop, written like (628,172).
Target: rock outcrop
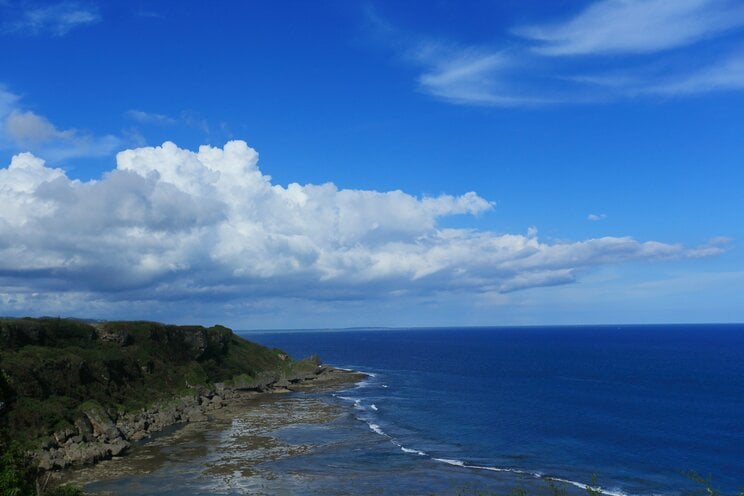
(99,435)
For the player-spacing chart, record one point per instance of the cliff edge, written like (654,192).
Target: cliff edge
(73,392)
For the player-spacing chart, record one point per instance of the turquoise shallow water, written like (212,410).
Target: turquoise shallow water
(449,409)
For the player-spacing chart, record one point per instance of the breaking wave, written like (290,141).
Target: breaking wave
(369,417)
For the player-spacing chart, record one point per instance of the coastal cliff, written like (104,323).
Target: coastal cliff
(74,393)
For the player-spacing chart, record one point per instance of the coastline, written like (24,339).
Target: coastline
(69,456)
(284,449)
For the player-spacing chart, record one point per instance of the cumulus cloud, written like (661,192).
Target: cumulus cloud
(596,217)
(169,224)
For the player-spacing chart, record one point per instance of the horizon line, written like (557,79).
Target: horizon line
(498,326)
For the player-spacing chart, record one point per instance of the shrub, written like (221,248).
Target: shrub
(17,472)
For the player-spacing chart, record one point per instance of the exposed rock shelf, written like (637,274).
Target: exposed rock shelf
(97,436)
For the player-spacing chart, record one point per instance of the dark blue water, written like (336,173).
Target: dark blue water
(636,405)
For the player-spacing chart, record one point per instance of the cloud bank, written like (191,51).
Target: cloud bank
(172,225)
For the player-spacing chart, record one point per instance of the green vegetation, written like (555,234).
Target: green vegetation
(17,473)
(53,369)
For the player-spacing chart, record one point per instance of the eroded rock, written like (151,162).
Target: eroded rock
(96,436)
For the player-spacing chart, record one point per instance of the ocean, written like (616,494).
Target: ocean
(632,408)
(466,411)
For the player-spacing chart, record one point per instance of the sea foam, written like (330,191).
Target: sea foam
(376,428)
(537,475)
(449,461)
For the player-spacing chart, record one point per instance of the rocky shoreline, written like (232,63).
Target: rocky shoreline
(98,435)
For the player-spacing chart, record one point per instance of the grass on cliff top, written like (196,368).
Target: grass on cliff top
(50,368)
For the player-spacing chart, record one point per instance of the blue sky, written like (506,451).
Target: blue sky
(477,163)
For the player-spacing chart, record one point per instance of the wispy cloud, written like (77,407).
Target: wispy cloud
(150,117)
(613,49)
(56,19)
(187,118)
(470,75)
(596,217)
(724,74)
(636,26)
(26,127)
(8,101)
(150,14)
(22,129)
(460,75)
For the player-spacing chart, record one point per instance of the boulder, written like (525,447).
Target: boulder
(63,435)
(84,427)
(49,443)
(86,453)
(195,414)
(102,425)
(74,440)
(119,447)
(139,435)
(51,460)
(45,461)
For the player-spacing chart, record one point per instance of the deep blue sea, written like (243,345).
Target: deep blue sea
(635,406)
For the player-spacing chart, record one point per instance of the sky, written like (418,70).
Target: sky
(450,163)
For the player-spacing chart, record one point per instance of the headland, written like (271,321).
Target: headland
(75,393)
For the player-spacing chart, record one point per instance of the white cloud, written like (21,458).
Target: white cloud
(24,129)
(150,117)
(613,49)
(636,26)
(187,118)
(725,74)
(8,101)
(474,75)
(57,19)
(27,127)
(170,225)
(596,217)
(462,76)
